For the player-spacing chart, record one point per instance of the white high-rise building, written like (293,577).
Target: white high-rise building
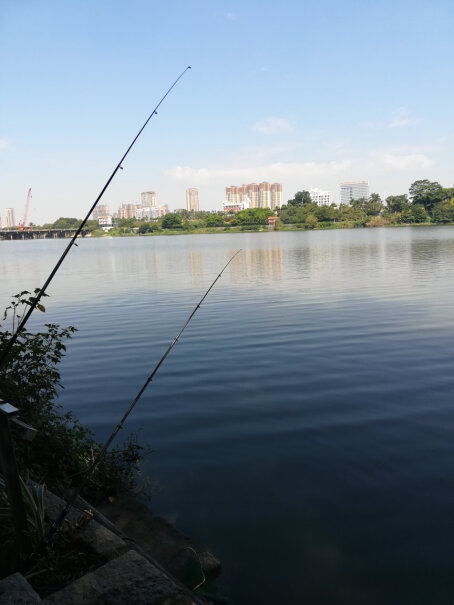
(192,199)
(353,190)
(321,198)
(148,199)
(10,218)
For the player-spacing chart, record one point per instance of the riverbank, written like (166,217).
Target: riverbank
(255,229)
(94,560)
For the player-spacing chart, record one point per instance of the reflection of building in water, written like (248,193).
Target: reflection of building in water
(258,264)
(195,262)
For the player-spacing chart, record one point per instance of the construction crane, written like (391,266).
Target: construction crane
(27,206)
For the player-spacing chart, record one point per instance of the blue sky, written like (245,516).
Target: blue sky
(304,93)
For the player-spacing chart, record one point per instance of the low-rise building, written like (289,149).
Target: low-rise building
(235,206)
(105,221)
(321,198)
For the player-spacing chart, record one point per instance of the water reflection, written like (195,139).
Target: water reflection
(262,265)
(343,412)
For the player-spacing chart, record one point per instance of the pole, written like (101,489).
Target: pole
(132,405)
(11,474)
(42,291)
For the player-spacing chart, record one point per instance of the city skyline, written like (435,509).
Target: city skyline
(290,112)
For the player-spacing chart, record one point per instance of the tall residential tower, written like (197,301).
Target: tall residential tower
(148,199)
(10,217)
(192,199)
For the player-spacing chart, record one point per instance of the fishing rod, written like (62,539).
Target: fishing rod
(58,523)
(34,301)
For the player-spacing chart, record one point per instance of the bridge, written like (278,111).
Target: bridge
(27,233)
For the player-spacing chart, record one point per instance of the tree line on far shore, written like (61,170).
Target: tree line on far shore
(426,202)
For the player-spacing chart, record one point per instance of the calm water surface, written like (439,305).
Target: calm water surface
(303,428)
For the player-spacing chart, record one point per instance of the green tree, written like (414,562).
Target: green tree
(327,213)
(374,205)
(145,228)
(215,219)
(300,199)
(426,193)
(66,223)
(443,212)
(419,214)
(396,203)
(311,221)
(172,221)
(252,216)
(371,206)
(127,223)
(62,449)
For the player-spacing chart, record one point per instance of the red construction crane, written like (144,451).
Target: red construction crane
(27,206)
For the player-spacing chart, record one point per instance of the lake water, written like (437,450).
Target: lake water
(303,427)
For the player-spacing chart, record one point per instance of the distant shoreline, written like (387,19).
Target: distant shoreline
(261,229)
(226,230)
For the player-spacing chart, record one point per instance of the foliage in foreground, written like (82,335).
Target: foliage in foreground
(63,449)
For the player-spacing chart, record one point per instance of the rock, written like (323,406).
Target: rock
(53,506)
(15,590)
(126,579)
(101,540)
(180,556)
(89,532)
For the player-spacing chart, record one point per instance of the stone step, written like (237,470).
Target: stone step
(129,578)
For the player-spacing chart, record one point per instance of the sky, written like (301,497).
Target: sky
(308,94)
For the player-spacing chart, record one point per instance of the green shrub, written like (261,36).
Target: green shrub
(63,449)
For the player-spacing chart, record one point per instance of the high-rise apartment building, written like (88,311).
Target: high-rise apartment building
(263,195)
(276,195)
(353,190)
(148,199)
(10,218)
(127,210)
(192,199)
(253,195)
(100,210)
(321,198)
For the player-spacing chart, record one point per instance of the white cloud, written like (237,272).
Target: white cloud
(3,144)
(400,159)
(403,116)
(231,16)
(400,117)
(272,125)
(276,170)
(370,125)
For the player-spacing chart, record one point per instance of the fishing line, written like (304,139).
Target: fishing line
(58,523)
(35,300)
